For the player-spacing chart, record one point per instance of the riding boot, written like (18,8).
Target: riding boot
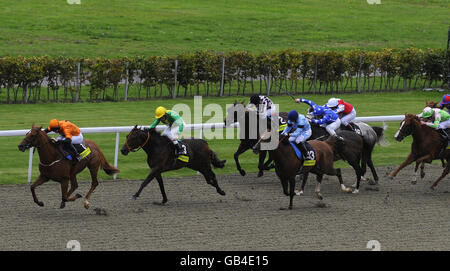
(178,149)
(304,150)
(340,138)
(74,151)
(350,127)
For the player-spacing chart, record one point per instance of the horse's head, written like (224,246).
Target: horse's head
(136,139)
(407,126)
(31,138)
(432,104)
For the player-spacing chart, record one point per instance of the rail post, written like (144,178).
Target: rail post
(116,152)
(30,164)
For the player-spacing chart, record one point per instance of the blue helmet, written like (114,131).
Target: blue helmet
(293,115)
(318,110)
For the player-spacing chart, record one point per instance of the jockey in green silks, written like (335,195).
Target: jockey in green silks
(174,122)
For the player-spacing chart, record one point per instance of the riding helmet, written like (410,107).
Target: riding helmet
(445,100)
(292,115)
(54,123)
(427,112)
(160,111)
(332,102)
(255,99)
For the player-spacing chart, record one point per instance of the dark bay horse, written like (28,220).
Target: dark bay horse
(371,136)
(427,146)
(287,164)
(53,165)
(249,137)
(161,156)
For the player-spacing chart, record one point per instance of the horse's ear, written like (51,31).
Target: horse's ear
(135,126)
(32,125)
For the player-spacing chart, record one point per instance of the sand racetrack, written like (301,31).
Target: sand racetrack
(401,216)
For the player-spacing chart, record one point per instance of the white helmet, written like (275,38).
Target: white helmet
(333,102)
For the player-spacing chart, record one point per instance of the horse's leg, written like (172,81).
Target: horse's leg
(94,183)
(268,162)
(408,161)
(211,179)
(161,187)
(356,166)
(364,161)
(146,182)
(302,189)
(414,180)
(262,157)
(422,170)
(242,148)
(372,169)
(64,187)
(40,180)
(444,173)
(73,187)
(291,191)
(317,190)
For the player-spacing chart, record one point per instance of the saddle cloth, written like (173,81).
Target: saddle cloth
(282,124)
(309,149)
(82,150)
(445,135)
(183,155)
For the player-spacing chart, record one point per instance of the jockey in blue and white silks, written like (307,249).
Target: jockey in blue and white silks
(302,131)
(328,118)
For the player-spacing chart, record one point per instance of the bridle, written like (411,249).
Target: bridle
(29,141)
(141,146)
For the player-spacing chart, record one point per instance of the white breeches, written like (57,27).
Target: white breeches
(444,125)
(331,128)
(173,133)
(349,117)
(301,138)
(75,139)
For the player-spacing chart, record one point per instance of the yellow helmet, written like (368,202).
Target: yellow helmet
(160,111)
(54,123)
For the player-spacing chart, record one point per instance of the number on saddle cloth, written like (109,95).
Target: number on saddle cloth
(183,155)
(282,124)
(82,150)
(309,149)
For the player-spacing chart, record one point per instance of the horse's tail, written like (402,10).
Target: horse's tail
(215,160)
(381,140)
(109,169)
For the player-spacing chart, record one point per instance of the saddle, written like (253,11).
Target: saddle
(355,128)
(309,149)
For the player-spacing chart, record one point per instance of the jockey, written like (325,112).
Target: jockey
(263,104)
(329,119)
(175,125)
(445,104)
(302,131)
(345,111)
(69,134)
(435,118)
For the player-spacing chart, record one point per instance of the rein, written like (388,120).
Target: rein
(141,146)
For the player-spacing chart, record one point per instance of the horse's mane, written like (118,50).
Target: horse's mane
(432,104)
(154,133)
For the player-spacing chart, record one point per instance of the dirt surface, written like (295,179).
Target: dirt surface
(399,215)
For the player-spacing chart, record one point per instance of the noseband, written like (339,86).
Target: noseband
(141,146)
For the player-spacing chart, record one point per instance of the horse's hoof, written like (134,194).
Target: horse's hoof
(221,192)
(388,178)
(356,191)
(422,175)
(319,196)
(348,190)
(260,174)
(364,179)
(133,198)
(159,203)
(40,203)
(298,192)
(78,196)
(373,182)
(242,172)
(432,188)
(63,204)
(413,182)
(87,204)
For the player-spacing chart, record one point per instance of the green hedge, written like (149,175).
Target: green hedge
(65,79)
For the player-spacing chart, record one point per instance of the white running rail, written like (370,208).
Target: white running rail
(201,127)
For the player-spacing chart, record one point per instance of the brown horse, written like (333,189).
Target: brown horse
(287,164)
(161,157)
(53,165)
(427,146)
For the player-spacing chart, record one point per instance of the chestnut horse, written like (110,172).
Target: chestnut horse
(161,156)
(53,165)
(287,164)
(427,146)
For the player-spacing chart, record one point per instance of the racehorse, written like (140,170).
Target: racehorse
(427,146)
(161,156)
(237,113)
(370,135)
(287,164)
(53,165)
